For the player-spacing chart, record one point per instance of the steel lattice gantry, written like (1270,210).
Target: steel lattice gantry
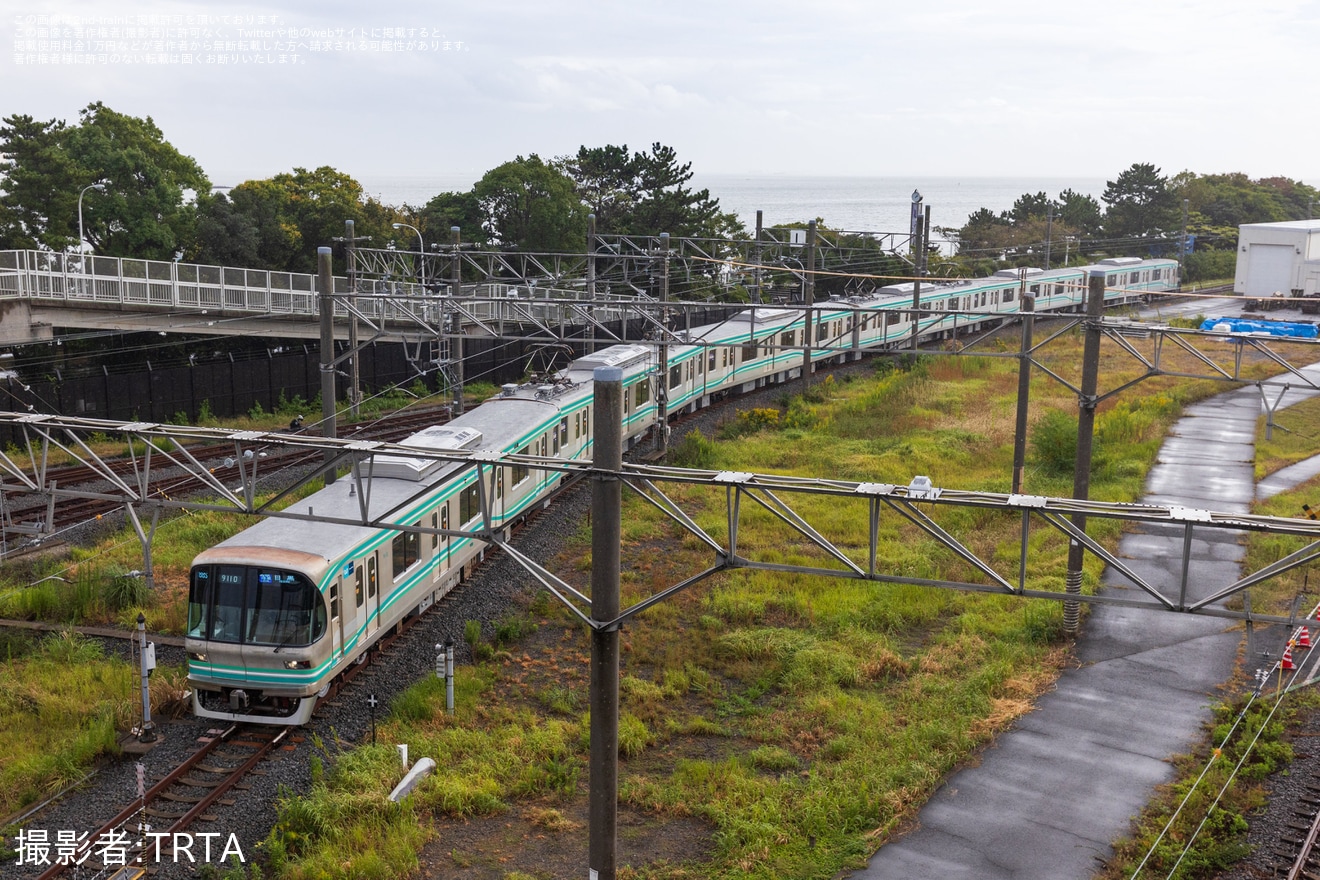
(718,525)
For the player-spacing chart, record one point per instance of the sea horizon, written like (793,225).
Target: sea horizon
(852,203)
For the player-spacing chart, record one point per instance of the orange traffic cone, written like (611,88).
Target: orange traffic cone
(1286,662)
(1304,638)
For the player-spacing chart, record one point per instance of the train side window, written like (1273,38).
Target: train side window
(1008,295)
(710,360)
(749,351)
(357,584)
(675,375)
(786,339)
(577,426)
(725,357)
(468,506)
(444,522)
(406,551)
(586,422)
(499,483)
(334,601)
(371,577)
(520,470)
(435,536)
(554,444)
(199,602)
(692,369)
(563,430)
(642,391)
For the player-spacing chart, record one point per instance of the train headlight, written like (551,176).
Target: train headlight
(297,664)
(197,655)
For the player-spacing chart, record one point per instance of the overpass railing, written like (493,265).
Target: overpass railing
(85,280)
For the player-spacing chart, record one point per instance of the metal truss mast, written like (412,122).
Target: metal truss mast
(718,524)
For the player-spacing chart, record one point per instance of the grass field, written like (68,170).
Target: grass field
(780,725)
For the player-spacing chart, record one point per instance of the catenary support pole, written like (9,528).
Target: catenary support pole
(146,537)
(1095,304)
(808,301)
(456,332)
(325,280)
(354,374)
(591,280)
(1027,305)
(606,533)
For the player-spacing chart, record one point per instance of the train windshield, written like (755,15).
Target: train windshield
(245,604)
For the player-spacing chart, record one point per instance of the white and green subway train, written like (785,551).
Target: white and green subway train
(279,610)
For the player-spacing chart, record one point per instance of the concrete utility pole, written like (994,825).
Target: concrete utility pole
(1182,242)
(756,273)
(809,300)
(1027,305)
(1095,305)
(325,280)
(456,338)
(662,392)
(916,285)
(606,535)
(1049,233)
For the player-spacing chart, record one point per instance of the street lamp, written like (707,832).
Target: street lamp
(421,252)
(82,259)
(99,187)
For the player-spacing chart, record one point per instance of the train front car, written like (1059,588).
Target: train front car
(257,634)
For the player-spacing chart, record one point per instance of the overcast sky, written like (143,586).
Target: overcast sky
(829,87)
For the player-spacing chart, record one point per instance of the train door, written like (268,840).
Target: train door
(336,619)
(373,594)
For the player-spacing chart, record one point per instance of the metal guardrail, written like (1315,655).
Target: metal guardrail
(152,285)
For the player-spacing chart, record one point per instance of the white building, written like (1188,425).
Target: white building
(1278,258)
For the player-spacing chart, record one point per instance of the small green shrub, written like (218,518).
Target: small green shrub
(773,758)
(123,590)
(695,451)
(634,736)
(560,699)
(1054,442)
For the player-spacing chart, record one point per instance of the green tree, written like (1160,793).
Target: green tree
(38,207)
(531,205)
(1140,204)
(142,212)
(646,193)
(606,180)
(985,232)
(1031,205)
(295,213)
(450,209)
(224,235)
(1079,212)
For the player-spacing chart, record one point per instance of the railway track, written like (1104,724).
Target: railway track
(1293,854)
(150,829)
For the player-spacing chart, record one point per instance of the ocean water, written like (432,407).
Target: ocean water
(856,204)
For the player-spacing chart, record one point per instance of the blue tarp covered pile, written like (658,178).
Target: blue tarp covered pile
(1269,328)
